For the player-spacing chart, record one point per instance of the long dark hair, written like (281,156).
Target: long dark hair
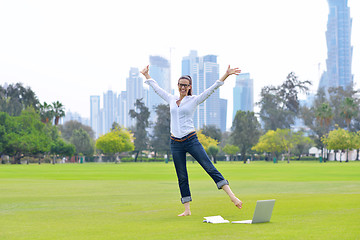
(187,77)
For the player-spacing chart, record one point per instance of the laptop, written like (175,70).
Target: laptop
(262,212)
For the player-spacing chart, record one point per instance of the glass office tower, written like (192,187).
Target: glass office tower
(243,94)
(338,39)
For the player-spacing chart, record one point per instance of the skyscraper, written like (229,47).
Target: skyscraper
(160,71)
(212,104)
(134,91)
(95,115)
(204,71)
(243,94)
(223,114)
(109,109)
(338,39)
(122,114)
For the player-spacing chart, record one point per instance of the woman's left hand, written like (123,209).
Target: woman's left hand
(231,71)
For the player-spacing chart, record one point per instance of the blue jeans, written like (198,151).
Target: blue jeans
(191,144)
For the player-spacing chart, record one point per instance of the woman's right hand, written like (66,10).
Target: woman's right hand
(145,72)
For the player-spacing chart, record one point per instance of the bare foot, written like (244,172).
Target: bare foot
(237,202)
(186,213)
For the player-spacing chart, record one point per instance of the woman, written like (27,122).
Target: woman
(183,135)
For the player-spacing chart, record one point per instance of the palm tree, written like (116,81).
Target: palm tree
(349,109)
(324,114)
(58,110)
(46,112)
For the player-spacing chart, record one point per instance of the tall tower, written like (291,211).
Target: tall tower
(109,110)
(338,39)
(243,94)
(204,71)
(212,104)
(160,71)
(95,115)
(134,91)
(122,109)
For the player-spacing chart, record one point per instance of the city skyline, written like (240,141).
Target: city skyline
(92,49)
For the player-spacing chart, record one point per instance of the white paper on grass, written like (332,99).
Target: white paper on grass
(215,219)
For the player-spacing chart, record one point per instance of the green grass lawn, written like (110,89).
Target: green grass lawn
(141,201)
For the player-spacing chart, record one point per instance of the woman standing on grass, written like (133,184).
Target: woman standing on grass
(183,134)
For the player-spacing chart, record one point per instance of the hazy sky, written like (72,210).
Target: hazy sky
(69,50)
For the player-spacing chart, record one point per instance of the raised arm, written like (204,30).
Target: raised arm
(158,90)
(204,95)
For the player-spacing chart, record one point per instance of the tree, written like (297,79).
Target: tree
(270,142)
(115,142)
(206,141)
(58,111)
(82,142)
(302,143)
(324,114)
(62,148)
(280,105)
(356,142)
(272,114)
(212,131)
(339,139)
(26,135)
(46,112)
(70,126)
(16,98)
(213,151)
(339,104)
(318,118)
(5,123)
(349,109)
(231,150)
(161,133)
(141,114)
(245,132)
(286,139)
(210,145)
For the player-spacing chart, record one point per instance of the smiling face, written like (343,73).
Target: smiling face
(184,86)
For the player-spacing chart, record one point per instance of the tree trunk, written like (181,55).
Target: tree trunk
(243,155)
(136,156)
(327,155)
(347,155)
(340,155)
(57,120)
(288,156)
(17,158)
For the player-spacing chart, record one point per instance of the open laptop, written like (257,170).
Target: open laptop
(262,212)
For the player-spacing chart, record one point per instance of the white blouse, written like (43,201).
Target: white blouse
(181,117)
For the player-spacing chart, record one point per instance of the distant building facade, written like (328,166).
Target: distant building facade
(74,116)
(134,91)
(109,108)
(160,72)
(339,49)
(95,115)
(243,94)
